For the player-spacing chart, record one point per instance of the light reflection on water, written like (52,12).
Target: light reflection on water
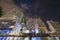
(35,38)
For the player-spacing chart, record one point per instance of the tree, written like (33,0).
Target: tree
(0,11)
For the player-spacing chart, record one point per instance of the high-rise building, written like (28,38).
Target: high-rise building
(54,26)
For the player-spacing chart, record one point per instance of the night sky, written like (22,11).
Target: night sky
(46,9)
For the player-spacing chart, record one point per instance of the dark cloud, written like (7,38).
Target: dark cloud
(46,9)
